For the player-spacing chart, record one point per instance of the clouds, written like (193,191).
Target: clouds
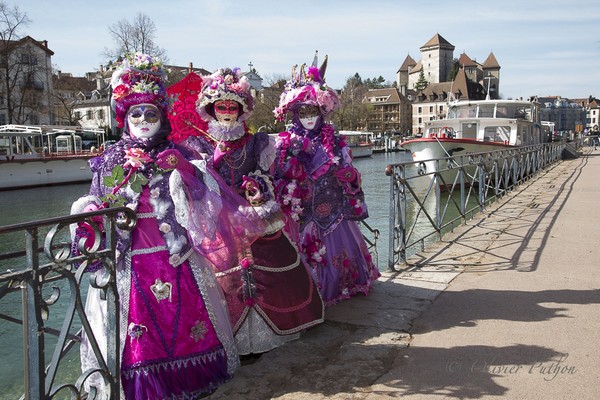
(540,45)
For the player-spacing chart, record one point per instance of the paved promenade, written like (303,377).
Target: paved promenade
(506,306)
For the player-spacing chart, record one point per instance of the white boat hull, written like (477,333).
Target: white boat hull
(426,149)
(361,151)
(23,173)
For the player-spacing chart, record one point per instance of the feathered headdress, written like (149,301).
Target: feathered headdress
(308,88)
(138,79)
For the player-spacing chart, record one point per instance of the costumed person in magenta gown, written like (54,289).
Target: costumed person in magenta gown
(176,339)
(270,295)
(320,190)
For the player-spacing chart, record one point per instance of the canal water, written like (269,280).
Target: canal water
(25,205)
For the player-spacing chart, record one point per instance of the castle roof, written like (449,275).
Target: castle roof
(408,62)
(465,61)
(438,41)
(491,62)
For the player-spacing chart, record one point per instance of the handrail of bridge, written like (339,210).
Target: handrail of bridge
(40,274)
(431,197)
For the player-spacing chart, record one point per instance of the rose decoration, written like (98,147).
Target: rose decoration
(136,158)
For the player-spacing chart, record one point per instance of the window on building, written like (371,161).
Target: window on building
(88,114)
(420,120)
(100,114)
(419,110)
(28,59)
(430,109)
(2,119)
(77,115)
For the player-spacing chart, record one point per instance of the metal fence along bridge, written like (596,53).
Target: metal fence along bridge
(427,199)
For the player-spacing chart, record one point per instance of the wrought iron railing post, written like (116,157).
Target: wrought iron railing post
(33,337)
(30,278)
(481,177)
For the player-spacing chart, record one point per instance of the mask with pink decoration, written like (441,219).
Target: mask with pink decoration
(225,102)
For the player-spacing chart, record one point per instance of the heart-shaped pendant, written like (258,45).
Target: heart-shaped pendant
(161,290)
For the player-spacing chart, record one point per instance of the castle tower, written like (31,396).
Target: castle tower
(436,59)
(403,72)
(491,76)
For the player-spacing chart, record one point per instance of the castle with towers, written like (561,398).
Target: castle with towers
(424,87)
(437,66)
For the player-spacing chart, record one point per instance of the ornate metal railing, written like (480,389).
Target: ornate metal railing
(371,240)
(431,197)
(37,278)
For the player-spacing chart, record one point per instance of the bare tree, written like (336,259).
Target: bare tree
(352,113)
(23,68)
(138,35)
(265,101)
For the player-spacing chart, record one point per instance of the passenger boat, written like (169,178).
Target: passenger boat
(32,156)
(361,143)
(476,126)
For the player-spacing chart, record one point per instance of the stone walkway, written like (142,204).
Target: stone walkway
(506,306)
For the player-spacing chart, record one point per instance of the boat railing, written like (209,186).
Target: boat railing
(430,198)
(49,284)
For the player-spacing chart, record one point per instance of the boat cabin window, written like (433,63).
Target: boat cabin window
(442,132)
(462,112)
(514,111)
(486,111)
(68,144)
(496,134)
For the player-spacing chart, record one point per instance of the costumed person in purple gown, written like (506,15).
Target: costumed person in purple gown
(320,190)
(176,339)
(270,295)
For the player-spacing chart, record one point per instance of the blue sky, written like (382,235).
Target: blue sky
(544,48)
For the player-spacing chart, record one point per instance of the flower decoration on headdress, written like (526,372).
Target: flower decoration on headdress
(226,84)
(138,79)
(307,87)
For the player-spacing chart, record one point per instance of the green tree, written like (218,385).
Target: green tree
(453,71)
(422,82)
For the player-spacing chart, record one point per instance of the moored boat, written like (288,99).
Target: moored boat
(476,126)
(32,156)
(361,143)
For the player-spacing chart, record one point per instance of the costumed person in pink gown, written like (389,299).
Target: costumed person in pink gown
(270,295)
(176,339)
(320,190)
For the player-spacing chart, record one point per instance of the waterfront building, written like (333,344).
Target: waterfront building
(568,116)
(389,111)
(592,111)
(25,82)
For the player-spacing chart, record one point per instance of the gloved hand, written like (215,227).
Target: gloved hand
(86,230)
(173,159)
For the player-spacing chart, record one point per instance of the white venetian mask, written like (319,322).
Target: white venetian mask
(308,116)
(143,120)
